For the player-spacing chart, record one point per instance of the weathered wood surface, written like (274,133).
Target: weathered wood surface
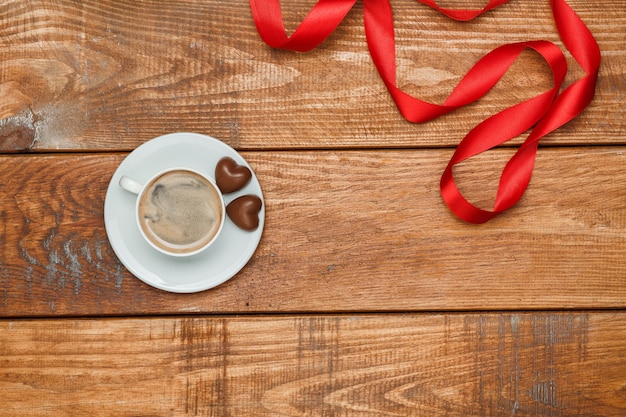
(356,227)
(345,231)
(397,365)
(98,75)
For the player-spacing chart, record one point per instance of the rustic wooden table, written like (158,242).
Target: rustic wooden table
(366,296)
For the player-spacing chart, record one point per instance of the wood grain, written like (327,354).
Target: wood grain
(430,319)
(98,75)
(345,231)
(402,365)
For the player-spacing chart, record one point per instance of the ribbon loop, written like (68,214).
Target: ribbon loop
(321,21)
(462,14)
(546,112)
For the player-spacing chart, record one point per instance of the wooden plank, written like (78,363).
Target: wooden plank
(418,365)
(112,74)
(345,231)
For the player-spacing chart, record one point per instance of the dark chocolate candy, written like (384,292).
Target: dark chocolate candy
(230,176)
(244,211)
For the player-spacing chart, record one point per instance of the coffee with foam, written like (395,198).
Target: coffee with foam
(180,211)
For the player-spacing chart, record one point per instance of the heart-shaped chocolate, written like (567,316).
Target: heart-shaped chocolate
(244,211)
(230,176)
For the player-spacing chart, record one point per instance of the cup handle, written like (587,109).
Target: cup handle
(130,184)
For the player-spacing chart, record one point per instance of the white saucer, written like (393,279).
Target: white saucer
(225,258)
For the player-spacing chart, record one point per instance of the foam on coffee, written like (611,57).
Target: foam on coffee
(180,211)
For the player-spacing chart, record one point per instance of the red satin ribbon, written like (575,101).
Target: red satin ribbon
(544,113)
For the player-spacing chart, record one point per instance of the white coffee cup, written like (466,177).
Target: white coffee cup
(179,211)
